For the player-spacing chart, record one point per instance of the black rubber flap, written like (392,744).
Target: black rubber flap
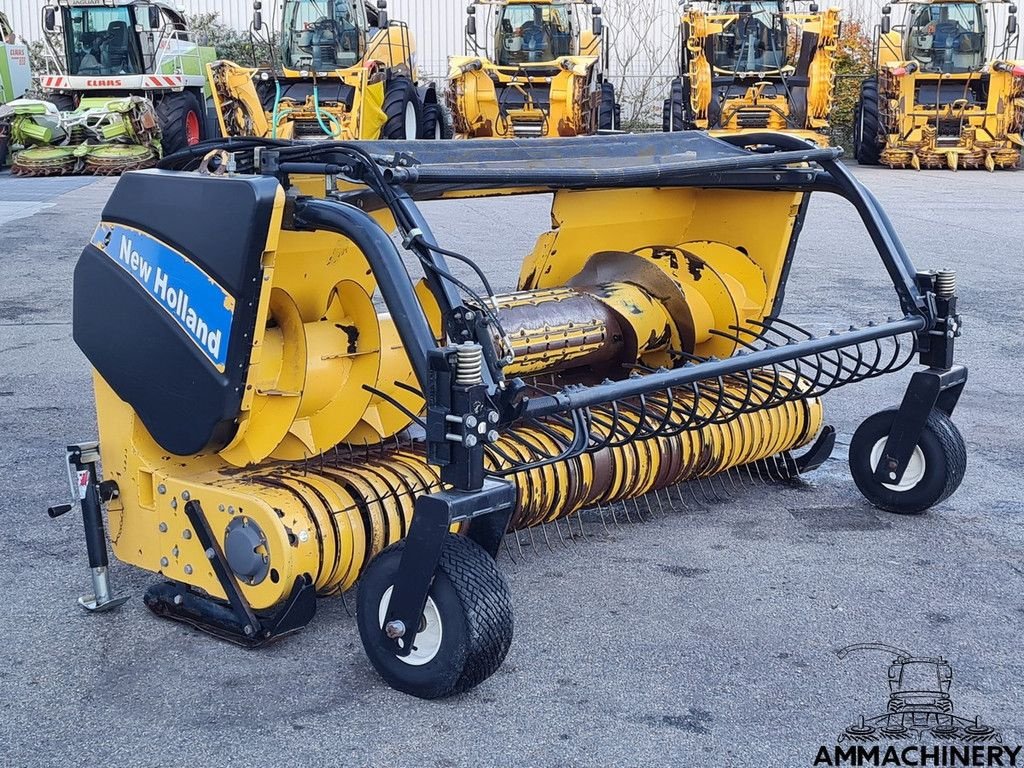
(166,295)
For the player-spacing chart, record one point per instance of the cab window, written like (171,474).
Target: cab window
(946,37)
(531,33)
(324,35)
(102,41)
(753,41)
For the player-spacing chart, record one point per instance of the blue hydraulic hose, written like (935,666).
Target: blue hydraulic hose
(277,106)
(320,116)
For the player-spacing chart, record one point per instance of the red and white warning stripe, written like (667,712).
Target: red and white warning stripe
(163,81)
(54,81)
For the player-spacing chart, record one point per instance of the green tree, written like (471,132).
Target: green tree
(854,62)
(240,47)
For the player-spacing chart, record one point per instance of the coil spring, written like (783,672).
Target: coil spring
(469,364)
(945,283)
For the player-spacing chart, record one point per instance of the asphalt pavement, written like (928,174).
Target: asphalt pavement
(704,636)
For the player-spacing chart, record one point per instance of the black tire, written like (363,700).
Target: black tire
(474,607)
(674,116)
(609,113)
(941,460)
(5,142)
(867,125)
(65,102)
(175,113)
(433,124)
(398,97)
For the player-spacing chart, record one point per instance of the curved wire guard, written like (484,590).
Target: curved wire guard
(717,400)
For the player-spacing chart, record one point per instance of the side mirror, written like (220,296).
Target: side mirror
(471,21)
(886,19)
(257,16)
(49,18)
(155,20)
(382,14)
(1011,21)
(598,21)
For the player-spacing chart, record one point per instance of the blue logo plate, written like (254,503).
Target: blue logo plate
(200,306)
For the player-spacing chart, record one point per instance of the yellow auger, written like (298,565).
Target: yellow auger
(268,435)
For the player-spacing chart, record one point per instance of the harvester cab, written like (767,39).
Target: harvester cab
(750,65)
(948,91)
(285,410)
(126,85)
(342,70)
(545,73)
(15,69)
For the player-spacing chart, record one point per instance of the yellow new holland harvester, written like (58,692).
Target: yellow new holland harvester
(343,70)
(948,92)
(751,65)
(267,434)
(545,74)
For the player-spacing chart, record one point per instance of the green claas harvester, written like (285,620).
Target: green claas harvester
(127,86)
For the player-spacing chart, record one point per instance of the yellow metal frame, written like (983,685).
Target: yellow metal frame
(991,134)
(820,91)
(314,465)
(241,113)
(573,99)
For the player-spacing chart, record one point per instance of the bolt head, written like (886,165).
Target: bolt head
(178,600)
(161,489)
(174,503)
(186,495)
(493,416)
(210,554)
(471,421)
(186,534)
(164,562)
(395,629)
(493,436)
(470,441)
(163,527)
(188,570)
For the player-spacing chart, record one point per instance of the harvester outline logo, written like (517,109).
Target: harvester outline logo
(918,726)
(919,706)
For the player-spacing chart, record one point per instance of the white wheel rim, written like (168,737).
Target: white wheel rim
(411,123)
(428,640)
(915,469)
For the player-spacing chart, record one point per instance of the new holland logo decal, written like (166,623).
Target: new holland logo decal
(198,304)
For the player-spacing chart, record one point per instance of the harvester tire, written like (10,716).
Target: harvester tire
(433,125)
(402,107)
(181,121)
(467,623)
(5,142)
(675,109)
(609,112)
(65,102)
(867,125)
(936,468)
